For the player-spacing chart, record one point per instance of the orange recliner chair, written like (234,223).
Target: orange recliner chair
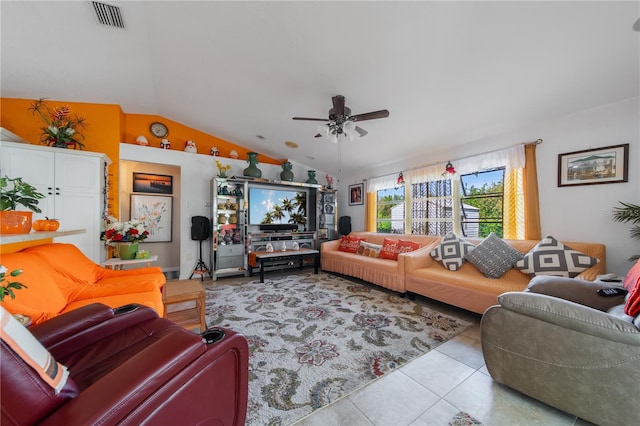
(125,366)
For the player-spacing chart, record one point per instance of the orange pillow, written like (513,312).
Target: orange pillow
(407,246)
(349,244)
(390,249)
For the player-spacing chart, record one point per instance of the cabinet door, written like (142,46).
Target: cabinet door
(78,173)
(35,167)
(81,211)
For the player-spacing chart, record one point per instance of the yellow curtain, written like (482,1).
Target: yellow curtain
(370,212)
(513,214)
(532,229)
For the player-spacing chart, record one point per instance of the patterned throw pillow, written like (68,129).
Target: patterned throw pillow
(407,246)
(551,257)
(369,249)
(349,244)
(451,251)
(493,257)
(27,347)
(390,249)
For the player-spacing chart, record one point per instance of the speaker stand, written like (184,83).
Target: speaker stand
(201,268)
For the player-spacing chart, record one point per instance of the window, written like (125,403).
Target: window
(390,208)
(481,203)
(434,210)
(432,207)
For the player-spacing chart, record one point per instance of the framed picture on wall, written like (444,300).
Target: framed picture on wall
(356,194)
(152,184)
(594,166)
(154,211)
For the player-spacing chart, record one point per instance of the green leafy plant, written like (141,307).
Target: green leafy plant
(61,129)
(629,213)
(11,285)
(14,192)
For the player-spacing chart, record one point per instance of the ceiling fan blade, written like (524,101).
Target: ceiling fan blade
(362,131)
(310,119)
(338,105)
(370,115)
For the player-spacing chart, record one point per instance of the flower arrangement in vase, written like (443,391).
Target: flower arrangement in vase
(132,231)
(222,169)
(61,130)
(125,235)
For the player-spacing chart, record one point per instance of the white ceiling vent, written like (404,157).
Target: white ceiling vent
(108,15)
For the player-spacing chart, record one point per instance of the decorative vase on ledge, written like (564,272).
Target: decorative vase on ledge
(127,251)
(312,176)
(252,170)
(286,173)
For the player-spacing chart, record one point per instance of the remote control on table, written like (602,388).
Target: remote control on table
(612,292)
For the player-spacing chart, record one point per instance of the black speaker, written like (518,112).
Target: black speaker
(200,228)
(344,225)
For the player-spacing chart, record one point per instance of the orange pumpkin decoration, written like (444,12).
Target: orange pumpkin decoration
(46,224)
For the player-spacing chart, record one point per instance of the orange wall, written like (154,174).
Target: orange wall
(107,127)
(138,124)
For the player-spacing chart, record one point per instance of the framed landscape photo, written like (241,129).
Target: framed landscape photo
(152,184)
(154,211)
(356,194)
(594,166)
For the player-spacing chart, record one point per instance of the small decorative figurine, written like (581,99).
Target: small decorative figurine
(295,246)
(269,248)
(283,247)
(214,151)
(141,140)
(165,144)
(190,146)
(233,154)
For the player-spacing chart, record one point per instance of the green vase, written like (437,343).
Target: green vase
(252,170)
(312,176)
(127,251)
(286,173)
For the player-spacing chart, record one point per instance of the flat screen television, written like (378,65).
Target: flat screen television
(271,205)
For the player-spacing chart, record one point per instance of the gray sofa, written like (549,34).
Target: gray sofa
(577,358)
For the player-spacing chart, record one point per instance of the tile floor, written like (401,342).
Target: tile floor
(433,388)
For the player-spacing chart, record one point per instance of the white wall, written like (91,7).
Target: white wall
(196,172)
(580,213)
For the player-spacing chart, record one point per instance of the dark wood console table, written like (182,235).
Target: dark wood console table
(263,258)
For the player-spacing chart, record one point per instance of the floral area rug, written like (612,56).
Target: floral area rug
(316,338)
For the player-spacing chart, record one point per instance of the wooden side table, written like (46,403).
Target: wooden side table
(175,292)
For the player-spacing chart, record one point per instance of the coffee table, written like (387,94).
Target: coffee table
(263,258)
(175,292)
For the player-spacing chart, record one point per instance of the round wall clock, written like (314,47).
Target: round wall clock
(158,129)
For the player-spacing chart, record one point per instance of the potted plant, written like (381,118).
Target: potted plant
(14,192)
(11,285)
(61,129)
(629,213)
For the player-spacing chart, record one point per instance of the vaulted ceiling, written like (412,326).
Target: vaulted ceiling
(448,72)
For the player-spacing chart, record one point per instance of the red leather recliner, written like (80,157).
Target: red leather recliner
(128,367)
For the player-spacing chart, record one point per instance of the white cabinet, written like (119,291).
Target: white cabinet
(73,183)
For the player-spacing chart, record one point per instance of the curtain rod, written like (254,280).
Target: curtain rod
(536,142)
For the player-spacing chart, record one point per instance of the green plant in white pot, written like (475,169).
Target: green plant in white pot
(15,192)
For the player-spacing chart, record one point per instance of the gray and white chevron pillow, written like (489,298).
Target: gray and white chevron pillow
(451,251)
(551,257)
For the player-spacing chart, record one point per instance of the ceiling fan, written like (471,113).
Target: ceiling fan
(341,122)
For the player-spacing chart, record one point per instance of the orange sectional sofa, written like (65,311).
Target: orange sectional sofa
(417,272)
(60,278)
